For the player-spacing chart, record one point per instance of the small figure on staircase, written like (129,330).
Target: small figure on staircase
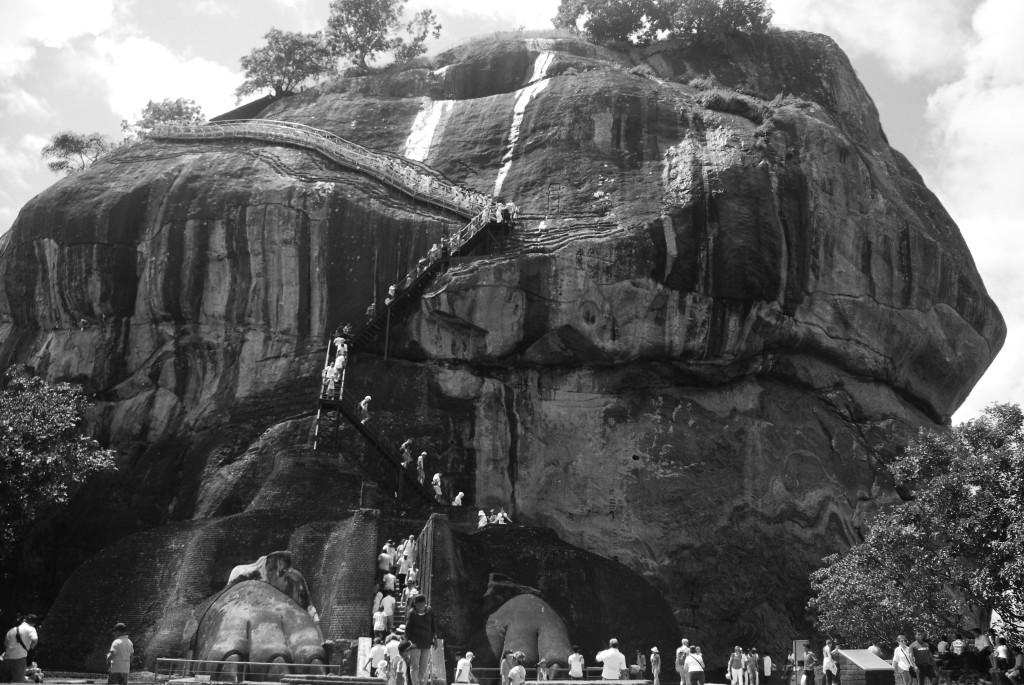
(421,468)
(407,453)
(503,517)
(482,519)
(331,378)
(457,502)
(434,253)
(414,575)
(371,311)
(438,490)
(364,410)
(508,213)
(392,294)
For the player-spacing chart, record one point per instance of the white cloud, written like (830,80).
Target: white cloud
(979,145)
(52,24)
(134,70)
(209,8)
(913,37)
(18,102)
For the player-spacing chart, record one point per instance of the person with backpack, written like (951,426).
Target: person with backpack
(694,663)
(19,641)
(681,654)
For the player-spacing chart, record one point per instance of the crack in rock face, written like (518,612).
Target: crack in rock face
(735,310)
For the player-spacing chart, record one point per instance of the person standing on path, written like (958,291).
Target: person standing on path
(576,663)
(19,641)
(517,676)
(922,652)
(681,653)
(119,658)
(613,660)
(464,670)
(734,669)
(695,666)
(903,661)
(809,662)
(508,662)
(828,663)
(655,665)
(421,630)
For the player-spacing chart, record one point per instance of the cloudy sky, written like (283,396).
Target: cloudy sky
(947,76)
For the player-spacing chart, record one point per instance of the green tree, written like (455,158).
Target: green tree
(359,30)
(705,21)
(43,452)
(955,545)
(180,110)
(72,152)
(638,21)
(288,60)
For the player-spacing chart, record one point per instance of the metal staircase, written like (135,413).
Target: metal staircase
(422,184)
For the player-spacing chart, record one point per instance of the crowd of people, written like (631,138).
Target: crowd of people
(401,654)
(500,518)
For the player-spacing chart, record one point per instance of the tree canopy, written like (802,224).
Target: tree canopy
(288,60)
(643,21)
(955,546)
(180,110)
(71,152)
(43,452)
(359,30)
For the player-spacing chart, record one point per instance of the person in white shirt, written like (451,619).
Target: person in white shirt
(387,605)
(464,669)
(119,658)
(613,660)
(695,666)
(377,654)
(681,652)
(828,663)
(576,662)
(903,661)
(767,663)
(17,644)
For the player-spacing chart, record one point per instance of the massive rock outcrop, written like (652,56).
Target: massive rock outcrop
(739,300)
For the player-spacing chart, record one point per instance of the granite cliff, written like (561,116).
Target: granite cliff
(734,301)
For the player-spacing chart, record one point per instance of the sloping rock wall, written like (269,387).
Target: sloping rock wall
(736,307)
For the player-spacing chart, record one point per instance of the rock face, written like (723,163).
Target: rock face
(739,300)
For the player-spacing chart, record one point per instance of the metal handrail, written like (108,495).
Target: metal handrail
(401,174)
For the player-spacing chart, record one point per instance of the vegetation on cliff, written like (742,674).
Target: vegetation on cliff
(644,21)
(179,110)
(289,59)
(954,547)
(43,453)
(70,152)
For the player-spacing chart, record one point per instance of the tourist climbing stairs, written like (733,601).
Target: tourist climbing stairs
(422,184)
(383,464)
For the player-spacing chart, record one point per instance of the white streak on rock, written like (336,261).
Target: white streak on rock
(540,69)
(417,145)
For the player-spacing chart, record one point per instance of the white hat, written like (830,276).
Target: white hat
(469,655)
(654,649)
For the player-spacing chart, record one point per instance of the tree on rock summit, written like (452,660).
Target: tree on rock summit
(288,60)
(71,152)
(359,30)
(644,21)
(168,111)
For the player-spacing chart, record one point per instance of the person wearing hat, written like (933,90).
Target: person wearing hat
(517,676)
(482,521)
(655,665)
(119,658)
(464,669)
(364,410)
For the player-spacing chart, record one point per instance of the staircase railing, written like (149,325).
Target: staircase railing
(409,177)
